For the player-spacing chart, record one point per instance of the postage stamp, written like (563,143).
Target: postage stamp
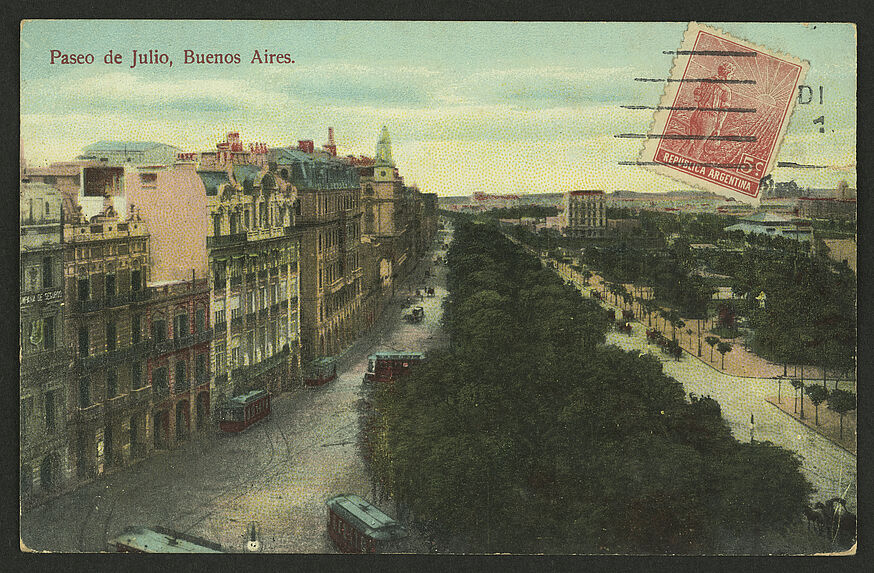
(723,114)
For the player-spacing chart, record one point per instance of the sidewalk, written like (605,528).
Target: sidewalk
(738,362)
(829,421)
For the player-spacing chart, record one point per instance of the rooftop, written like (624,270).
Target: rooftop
(124,146)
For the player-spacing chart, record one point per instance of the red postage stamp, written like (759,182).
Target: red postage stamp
(723,114)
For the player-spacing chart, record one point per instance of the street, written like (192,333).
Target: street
(278,473)
(831,469)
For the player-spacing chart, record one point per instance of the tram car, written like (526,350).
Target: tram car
(357,526)
(320,371)
(386,366)
(139,539)
(243,411)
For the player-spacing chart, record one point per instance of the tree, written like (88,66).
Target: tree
(723,348)
(797,385)
(712,341)
(817,395)
(841,401)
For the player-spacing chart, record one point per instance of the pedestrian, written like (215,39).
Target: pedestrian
(752,428)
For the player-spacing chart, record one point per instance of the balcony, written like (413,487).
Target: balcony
(118,403)
(141,395)
(204,335)
(219,328)
(225,241)
(118,300)
(91,305)
(250,317)
(236,281)
(164,346)
(50,359)
(236,322)
(92,413)
(255,370)
(180,386)
(140,295)
(161,392)
(184,341)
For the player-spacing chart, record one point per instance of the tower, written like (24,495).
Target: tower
(383,165)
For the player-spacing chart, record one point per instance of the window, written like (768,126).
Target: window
(234,224)
(159,330)
(110,336)
(84,343)
(217,225)
(250,302)
(136,280)
(160,378)
(135,328)
(179,380)
(47,278)
(246,218)
(110,285)
(50,411)
(84,289)
(48,332)
(136,375)
(220,359)
(200,367)
(149,179)
(180,325)
(84,392)
(200,320)
(111,383)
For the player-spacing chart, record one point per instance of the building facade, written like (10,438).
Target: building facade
(44,452)
(329,219)
(106,271)
(130,153)
(586,214)
(179,367)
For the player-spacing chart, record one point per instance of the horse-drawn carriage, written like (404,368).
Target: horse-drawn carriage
(416,315)
(623,326)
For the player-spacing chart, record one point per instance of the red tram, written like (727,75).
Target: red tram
(243,411)
(138,539)
(357,526)
(320,371)
(386,366)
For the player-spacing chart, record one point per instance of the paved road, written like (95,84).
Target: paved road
(830,468)
(278,473)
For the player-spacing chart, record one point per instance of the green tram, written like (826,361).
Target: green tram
(139,539)
(357,526)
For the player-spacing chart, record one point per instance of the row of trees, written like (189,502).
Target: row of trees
(530,435)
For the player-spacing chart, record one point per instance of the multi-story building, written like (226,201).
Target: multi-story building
(224,216)
(106,271)
(329,218)
(44,451)
(586,214)
(179,367)
(87,184)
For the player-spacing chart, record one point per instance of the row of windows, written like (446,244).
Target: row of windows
(38,335)
(111,249)
(110,286)
(269,341)
(264,217)
(159,331)
(39,276)
(334,203)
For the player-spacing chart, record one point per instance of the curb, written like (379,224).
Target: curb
(814,429)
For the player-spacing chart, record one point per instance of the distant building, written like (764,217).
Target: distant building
(774,225)
(130,153)
(85,183)
(585,214)
(827,208)
(623,226)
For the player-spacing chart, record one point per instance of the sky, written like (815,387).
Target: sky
(482,106)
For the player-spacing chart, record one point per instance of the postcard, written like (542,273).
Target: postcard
(313,287)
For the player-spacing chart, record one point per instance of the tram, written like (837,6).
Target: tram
(139,539)
(386,366)
(243,411)
(357,526)
(320,371)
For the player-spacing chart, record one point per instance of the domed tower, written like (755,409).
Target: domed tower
(383,164)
